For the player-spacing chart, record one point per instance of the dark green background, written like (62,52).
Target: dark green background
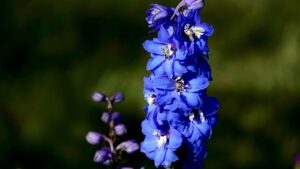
(55,53)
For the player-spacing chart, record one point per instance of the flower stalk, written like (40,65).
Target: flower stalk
(111,154)
(180,114)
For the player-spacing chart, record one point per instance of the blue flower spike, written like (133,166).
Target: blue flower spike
(180,116)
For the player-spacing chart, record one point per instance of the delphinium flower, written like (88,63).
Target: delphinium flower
(180,114)
(110,154)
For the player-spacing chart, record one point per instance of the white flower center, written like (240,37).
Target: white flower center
(179,84)
(202,118)
(151,99)
(155,11)
(191,116)
(161,141)
(190,31)
(167,50)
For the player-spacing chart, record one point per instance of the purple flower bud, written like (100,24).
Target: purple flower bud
(126,168)
(117,97)
(120,129)
(194,4)
(98,97)
(93,137)
(115,116)
(130,146)
(105,117)
(103,156)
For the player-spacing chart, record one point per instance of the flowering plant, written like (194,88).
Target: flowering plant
(180,115)
(111,154)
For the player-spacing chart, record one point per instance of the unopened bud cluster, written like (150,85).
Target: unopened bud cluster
(111,153)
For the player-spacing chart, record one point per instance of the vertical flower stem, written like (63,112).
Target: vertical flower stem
(112,136)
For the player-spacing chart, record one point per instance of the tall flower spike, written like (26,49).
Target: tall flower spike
(180,115)
(111,155)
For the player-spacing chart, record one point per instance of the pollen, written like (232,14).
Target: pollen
(191,116)
(179,85)
(161,141)
(167,50)
(192,31)
(202,118)
(151,99)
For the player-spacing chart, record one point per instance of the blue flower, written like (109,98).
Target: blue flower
(166,56)
(193,127)
(160,144)
(184,89)
(158,15)
(194,32)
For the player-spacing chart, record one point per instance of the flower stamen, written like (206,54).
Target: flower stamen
(192,31)
(179,85)
(167,50)
(151,99)
(202,118)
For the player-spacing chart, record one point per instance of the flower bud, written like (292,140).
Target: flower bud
(130,146)
(157,15)
(103,156)
(120,129)
(93,137)
(126,168)
(115,116)
(194,4)
(98,97)
(105,117)
(117,97)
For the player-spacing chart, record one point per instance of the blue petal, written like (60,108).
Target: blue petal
(147,128)
(170,157)
(163,34)
(147,83)
(169,68)
(181,55)
(164,99)
(195,135)
(163,83)
(175,139)
(192,68)
(209,29)
(159,156)
(148,145)
(161,117)
(153,47)
(178,68)
(192,99)
(155,62)
(197,84)
(159,71)
(204,129)
(171,107)
(150,155)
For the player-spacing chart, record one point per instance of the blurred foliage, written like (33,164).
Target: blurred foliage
(54,54)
